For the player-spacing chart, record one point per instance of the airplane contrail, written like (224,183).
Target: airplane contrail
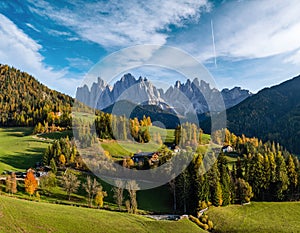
(213,40)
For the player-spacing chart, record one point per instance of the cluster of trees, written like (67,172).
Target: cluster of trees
(188,134)
(139,130)
(30,183)
(62,153)
(26,102)
(118,191)
(109,126)
(11,184)
(93,189)
(263,171)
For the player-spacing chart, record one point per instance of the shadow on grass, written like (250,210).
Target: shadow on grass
(22,161)
(18,131)
(57,135)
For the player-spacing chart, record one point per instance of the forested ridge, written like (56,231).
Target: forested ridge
(26,102)
(272,114)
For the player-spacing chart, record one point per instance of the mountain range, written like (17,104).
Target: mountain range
(181,99)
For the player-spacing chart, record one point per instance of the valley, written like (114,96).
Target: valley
(231,175)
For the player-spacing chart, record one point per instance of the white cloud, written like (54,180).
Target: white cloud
(19,50)
(294,58)
(123,23)
(256,29)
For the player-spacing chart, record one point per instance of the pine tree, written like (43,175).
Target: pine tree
(177,135)
(217,198)
(53,166)
(224,180)
(292,174)
(282,181)
(243,191)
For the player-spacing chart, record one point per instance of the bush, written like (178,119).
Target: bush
(205,227)
(202,205)
(204,218)
(210,225)
(197,221)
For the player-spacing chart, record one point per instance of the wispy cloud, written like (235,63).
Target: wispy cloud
(245,30)
(58,33)
(294,58)
(123,23)
(80,63)
(256,29)
(32,27)
(19,50)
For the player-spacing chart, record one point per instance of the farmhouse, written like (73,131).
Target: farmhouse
(142,157)
(227,149)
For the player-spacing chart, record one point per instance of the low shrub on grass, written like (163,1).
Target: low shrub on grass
(203,222)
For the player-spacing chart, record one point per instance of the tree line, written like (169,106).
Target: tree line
(263,171)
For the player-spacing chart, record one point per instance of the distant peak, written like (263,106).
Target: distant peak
(177,84)
(196,82)
(127,76)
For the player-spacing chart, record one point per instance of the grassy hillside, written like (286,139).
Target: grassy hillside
(257,217)
(19,150)
(23,216)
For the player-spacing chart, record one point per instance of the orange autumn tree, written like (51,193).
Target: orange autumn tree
(31,183)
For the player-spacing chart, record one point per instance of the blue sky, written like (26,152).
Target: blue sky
(256,42)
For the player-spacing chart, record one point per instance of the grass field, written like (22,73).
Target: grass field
(24,216)
(257,217)
(125,148)
(19,150)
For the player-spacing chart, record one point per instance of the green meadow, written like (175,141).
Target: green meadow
(257,217)
(19,150)
(23,216)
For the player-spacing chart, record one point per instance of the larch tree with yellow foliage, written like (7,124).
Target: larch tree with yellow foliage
(31,183)
(100,196)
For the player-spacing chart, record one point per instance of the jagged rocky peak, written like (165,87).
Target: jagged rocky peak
(128,79)
(181,96)
(177,84)
(234,96)
(196,82)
